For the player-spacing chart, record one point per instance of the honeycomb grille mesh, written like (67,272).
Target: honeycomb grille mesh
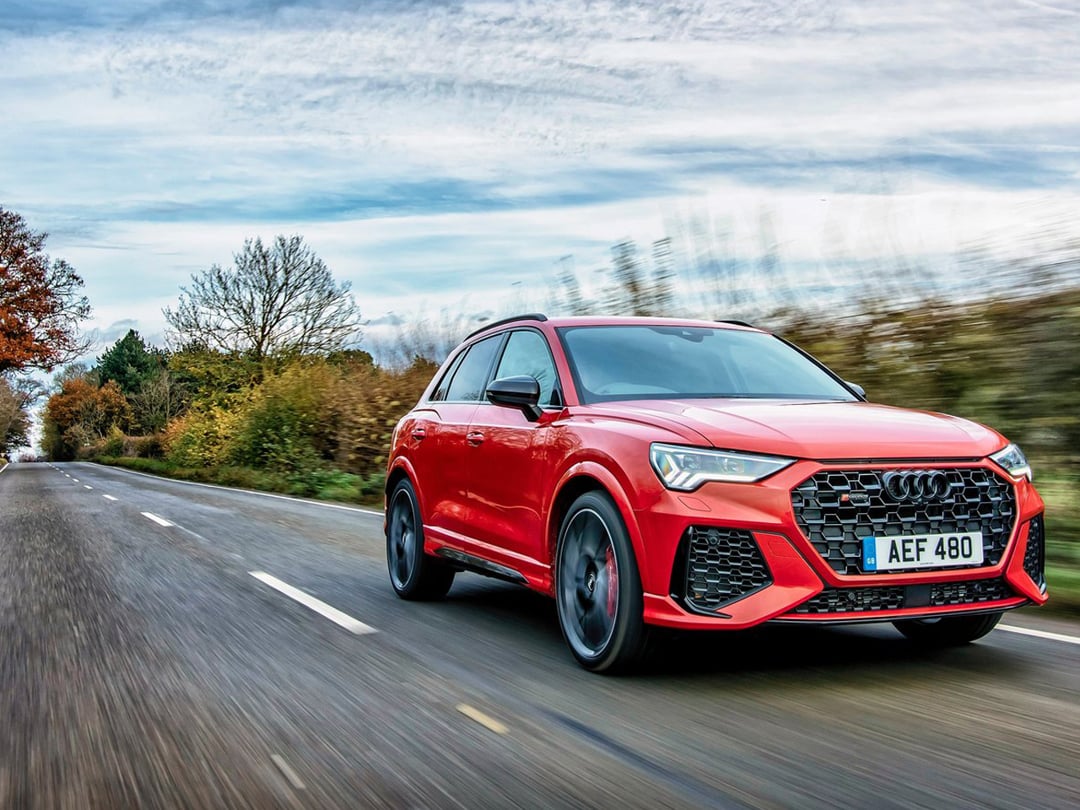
(722,565)
(978,500)
(896,597)
(1035,556)
(854,600)
(969,593)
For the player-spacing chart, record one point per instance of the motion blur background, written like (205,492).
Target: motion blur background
(896,190)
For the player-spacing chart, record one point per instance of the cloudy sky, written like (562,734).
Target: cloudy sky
(435,153)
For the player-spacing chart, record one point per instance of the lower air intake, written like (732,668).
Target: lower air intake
(896,597)
(721,565)
(1035,556)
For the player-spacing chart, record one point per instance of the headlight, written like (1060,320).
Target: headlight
(687,468)
(1012,461)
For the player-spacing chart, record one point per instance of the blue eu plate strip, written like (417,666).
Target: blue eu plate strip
(869,554)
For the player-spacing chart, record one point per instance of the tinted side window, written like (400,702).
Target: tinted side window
(527,354)
(471,375)
(440,392)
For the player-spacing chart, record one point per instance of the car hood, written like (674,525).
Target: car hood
(821,430)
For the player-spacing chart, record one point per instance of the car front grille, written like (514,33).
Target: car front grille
(717,567)
(1035,556)
(837,508)
(897,597)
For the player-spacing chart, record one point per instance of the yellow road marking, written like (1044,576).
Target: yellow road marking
(487,721)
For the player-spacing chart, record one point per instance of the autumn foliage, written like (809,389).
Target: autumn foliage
(83,413)
(40,304)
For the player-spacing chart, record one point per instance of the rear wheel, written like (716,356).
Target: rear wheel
(948,631)
(597,586)
(414,574)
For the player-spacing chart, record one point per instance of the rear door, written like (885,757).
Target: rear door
(438,446)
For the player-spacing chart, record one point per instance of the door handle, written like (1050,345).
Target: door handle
(418,433)
(474,437)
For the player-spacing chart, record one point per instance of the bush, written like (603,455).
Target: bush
(113,444)
(200,438)
(149,446)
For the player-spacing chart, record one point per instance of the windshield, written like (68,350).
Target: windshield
(674,362)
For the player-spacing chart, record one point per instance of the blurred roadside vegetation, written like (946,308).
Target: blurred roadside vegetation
(1004,351)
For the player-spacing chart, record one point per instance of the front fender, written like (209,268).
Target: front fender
(614,481)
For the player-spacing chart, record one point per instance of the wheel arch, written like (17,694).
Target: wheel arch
(579,479)
(401,470)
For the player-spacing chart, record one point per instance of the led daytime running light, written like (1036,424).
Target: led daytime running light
(687,468)
(1012,459)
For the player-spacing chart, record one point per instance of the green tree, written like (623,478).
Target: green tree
(130,362)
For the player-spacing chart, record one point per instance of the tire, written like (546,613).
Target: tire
(948,631)
(416,576)
(598,587)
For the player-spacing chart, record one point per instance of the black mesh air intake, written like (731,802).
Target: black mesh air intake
(1035,556)
(895,597)
(837,508)
(716,566)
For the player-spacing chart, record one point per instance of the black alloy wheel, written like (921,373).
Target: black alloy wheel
(948,631)
(598,587)
(414,574)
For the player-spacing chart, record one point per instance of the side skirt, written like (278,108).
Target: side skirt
(478,565)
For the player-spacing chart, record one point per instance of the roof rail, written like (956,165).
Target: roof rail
(737,323)
(530,316)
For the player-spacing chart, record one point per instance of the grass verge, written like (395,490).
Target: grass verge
(325,485)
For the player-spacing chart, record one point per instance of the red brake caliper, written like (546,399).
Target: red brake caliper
(613,581)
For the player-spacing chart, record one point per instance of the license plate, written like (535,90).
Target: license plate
(921,551)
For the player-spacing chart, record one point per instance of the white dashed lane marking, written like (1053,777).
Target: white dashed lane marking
(109,497)
(311,603)
(87,486)
(287,771)
(160,521)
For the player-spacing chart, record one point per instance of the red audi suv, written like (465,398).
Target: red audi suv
(652,472)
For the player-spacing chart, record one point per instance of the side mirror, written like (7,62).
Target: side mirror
(517,392)
(858,389)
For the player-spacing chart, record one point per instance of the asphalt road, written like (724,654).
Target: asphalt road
(143,665)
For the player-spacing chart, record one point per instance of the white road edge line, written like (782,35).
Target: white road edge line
(310,602)
(109,498)
(4,467)
(160,521)
(1026,631)
(361,510)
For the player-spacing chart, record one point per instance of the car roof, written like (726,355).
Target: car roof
(611,320)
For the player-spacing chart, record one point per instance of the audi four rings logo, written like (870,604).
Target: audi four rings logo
(917,485)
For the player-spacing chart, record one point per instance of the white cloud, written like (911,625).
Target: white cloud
(432,151)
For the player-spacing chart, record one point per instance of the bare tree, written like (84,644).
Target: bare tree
(158,400)
(274,301)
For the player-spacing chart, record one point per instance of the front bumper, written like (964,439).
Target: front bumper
(800,584)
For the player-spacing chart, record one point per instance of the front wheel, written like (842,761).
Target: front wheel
(948,631)
(598,587)
(414,574)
